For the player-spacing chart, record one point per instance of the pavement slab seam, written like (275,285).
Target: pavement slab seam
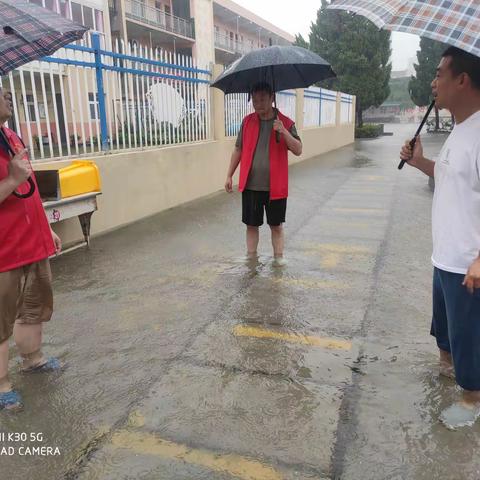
(347,423)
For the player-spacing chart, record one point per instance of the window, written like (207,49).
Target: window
(64,8)
(138,8)
(30,107)
(93,105)
(88,17)
(77,16)
(51,5)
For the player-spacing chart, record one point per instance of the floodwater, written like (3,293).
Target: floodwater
(186,361)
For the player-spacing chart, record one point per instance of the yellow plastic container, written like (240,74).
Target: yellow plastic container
(79,178)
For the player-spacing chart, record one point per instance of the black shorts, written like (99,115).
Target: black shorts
(253,205)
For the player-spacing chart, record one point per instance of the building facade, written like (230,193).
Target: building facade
(217,31)
(56,105)
(91,13)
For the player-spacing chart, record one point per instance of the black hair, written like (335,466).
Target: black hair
(464,62)
(262,87)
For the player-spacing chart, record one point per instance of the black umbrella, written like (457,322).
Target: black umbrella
(282,67)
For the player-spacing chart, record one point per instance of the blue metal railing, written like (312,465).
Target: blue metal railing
(100,66)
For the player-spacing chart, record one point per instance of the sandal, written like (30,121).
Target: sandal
(51,365)
(10,400)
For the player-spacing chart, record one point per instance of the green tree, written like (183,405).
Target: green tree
(419,86)
(301,42)
(359,53)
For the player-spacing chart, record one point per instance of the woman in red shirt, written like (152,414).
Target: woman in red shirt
(26,243)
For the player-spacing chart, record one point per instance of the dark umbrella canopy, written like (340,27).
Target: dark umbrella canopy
(281,67)
(29,32)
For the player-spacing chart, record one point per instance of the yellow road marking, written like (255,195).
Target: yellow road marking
(257,332)
(235,465)
(308,283)
(353,190)
(345,222)
(358,210)
(338,248)
(330,260)
(372,178)
(332,254)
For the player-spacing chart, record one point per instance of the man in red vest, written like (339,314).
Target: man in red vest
(26,242)
(264,169)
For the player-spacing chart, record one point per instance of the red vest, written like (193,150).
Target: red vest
(278,155)
(25,235)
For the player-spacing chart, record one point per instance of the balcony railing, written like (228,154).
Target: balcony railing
(155,17)
(229,44)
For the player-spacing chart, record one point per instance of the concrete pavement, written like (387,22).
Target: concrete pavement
(187,362)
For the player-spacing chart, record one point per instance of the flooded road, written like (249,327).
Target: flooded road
(186,361)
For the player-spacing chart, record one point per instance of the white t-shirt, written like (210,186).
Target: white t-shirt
(456,201)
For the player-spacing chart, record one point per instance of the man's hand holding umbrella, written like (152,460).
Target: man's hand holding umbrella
(415,158)
(294,145)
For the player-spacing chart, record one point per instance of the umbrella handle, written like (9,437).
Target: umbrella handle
(277,133)
(30,191)
(413,141)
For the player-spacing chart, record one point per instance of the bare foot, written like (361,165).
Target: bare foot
(447,370)
(471,397)
(279,261)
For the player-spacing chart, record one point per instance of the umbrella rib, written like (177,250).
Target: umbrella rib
(300,74)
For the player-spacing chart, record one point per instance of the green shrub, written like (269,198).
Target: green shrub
(369,130)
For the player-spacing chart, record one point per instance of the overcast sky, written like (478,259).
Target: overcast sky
(298,20)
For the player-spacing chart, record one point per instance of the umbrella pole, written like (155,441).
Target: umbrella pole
(277,134)
(414,139)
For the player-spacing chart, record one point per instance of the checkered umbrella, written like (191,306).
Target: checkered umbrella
(29,32)
(454,22)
